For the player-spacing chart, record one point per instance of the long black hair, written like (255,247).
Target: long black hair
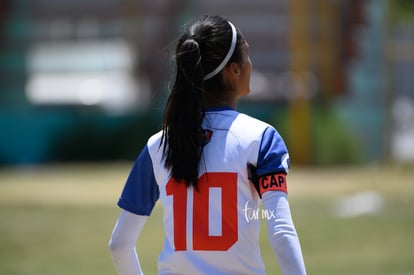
(200,49)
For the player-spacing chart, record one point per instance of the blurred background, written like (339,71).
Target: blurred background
(83,84)
(87,80)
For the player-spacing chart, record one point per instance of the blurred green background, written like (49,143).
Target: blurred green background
(83,85)
(87,80)
(58,220)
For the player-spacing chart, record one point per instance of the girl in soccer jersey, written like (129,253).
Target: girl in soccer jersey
(210,166)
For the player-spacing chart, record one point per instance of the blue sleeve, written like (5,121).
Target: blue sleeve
(141,191)
(273,155)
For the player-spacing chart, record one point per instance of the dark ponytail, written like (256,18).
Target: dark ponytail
(199,51)
(184,114)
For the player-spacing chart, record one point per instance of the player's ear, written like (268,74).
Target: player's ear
(233,70)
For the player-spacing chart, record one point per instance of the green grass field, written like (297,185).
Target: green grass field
(58,220)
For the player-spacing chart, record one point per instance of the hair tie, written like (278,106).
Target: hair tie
(192,40)
(228,56)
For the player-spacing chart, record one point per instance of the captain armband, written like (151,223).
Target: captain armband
(269,182)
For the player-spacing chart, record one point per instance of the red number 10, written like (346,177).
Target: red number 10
(201,238)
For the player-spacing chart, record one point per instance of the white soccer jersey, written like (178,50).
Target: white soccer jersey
(214,230)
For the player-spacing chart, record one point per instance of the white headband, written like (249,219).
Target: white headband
(228,56)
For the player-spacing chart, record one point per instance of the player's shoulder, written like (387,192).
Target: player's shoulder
(154,141)
(251,119)
(252,124)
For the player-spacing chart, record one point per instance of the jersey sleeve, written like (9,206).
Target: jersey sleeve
(141,191)
(272,163)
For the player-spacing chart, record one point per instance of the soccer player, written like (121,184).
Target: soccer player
(210,166)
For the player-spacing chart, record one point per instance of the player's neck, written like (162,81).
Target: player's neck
(226,105)
(223,101)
